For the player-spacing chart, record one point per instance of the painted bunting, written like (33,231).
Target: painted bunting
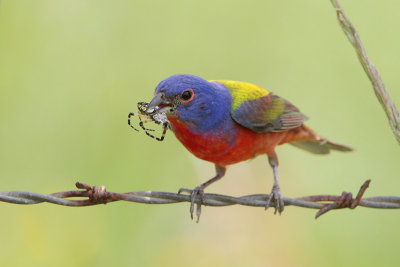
(225,122)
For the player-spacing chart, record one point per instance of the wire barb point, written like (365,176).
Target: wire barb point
(96,195)
(346,200)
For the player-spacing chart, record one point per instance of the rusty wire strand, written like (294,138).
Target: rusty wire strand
(98,195)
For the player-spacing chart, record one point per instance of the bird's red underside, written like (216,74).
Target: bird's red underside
(247,144)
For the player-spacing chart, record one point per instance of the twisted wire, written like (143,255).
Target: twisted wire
(95,195)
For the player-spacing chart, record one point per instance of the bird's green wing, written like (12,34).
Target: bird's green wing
(259,110)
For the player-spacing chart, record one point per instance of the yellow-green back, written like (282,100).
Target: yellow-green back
(260,110)
(242,91)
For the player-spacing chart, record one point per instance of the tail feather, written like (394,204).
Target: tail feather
(306,139)
(322,146)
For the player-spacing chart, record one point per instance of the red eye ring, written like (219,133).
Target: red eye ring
(186,96)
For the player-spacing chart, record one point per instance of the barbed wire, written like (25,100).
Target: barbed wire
(96,195)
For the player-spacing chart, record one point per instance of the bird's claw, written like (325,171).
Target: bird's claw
(197,192)
(277,196)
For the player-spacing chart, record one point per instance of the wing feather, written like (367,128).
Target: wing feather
(265,113)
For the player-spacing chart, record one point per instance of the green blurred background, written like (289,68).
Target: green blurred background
(71,71)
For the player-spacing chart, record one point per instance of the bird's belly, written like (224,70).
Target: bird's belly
(226,147)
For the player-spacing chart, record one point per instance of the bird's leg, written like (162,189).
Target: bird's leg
(199,191)
(276,190)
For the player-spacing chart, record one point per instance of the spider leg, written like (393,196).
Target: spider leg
(147,119)
(141,124)
(137,115)
(149,134)
(165,128)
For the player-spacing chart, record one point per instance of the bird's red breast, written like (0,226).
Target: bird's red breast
(229,147)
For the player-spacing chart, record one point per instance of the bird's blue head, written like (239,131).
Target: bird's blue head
(203,105)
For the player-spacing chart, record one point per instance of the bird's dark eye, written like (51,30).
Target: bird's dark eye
(187,96)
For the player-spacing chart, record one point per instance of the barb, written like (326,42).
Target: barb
(380,89)
(98,195)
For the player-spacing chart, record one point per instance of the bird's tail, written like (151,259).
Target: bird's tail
(323,146)
(318,145)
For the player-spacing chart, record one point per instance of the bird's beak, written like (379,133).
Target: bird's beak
(159,101)
(156,101)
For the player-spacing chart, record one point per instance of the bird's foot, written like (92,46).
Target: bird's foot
(197,192)
(277,196)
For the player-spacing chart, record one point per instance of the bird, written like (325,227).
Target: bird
(225,122)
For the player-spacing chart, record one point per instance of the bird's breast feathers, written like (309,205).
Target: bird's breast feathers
(227,145)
